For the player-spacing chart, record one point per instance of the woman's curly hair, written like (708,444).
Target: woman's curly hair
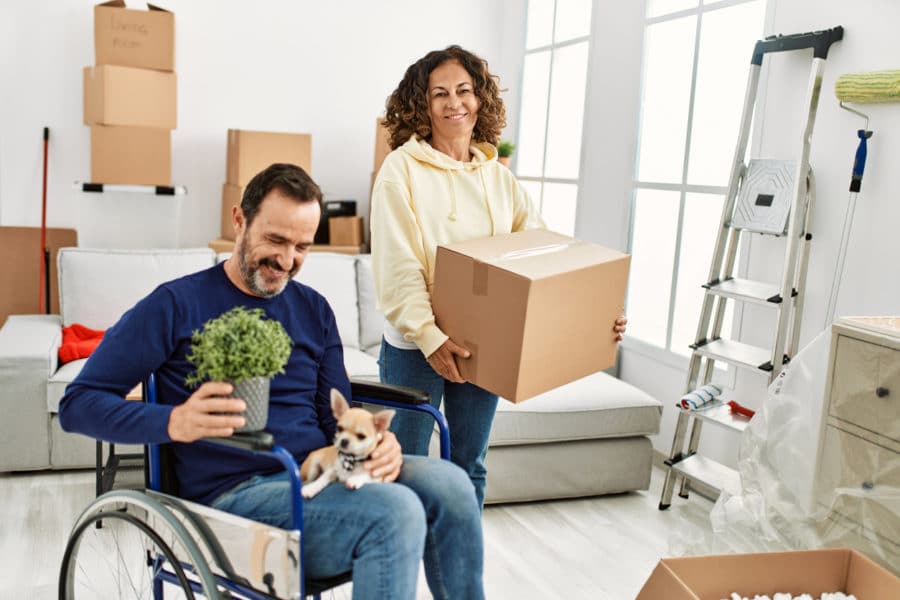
(407,106)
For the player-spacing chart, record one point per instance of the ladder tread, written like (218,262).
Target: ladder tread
(719,413)
(735,353)
(712,473)
(746,290)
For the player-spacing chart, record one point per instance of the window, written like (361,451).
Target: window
(552,109)
(695,65)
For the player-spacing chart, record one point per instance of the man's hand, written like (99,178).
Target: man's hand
(443,362)
(195,419)
(619,328)
(387,458)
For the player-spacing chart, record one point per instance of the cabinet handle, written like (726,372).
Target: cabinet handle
(867,485)
(882,392)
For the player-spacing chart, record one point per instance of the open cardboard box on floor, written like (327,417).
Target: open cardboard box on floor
(811,572)
(535,308)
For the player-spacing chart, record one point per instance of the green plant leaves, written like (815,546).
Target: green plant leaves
(238,345)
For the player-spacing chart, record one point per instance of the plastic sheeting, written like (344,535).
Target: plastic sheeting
(791,499)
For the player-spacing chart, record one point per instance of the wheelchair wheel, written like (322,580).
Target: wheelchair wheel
(128,545)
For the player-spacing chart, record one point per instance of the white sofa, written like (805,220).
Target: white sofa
(585,438)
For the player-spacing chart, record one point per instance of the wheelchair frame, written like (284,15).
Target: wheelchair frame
(183,517)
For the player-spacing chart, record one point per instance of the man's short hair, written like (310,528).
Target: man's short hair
(291,180)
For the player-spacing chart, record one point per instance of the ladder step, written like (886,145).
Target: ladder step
(735,353)
(747,290)
(707,471)
(719,413)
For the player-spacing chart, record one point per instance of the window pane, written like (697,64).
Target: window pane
(533,116)
(566,111)
(558,207)
(668,62)
(533,188)
(702,213)
(540,24)
(652,259)
(573,19)
(656,8)
(727,36)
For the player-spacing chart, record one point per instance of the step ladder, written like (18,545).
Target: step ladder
(772,198)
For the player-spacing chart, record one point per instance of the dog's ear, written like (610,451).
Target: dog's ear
(383,419)
(338,403)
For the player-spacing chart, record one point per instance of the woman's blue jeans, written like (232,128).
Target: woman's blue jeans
(468,408)
(382,530)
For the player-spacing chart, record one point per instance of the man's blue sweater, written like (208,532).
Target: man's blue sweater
(155,336)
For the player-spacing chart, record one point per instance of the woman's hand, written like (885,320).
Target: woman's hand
(619,328)
(387,458)
(443,362)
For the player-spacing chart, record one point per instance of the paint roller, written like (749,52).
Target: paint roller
(860,88)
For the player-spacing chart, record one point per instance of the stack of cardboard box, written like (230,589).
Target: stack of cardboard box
(130,95)
(248,153)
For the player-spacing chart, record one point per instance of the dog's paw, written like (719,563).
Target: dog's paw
(307,491)
(354,482)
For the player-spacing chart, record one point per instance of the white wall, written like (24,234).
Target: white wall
(869,286)
(322,67)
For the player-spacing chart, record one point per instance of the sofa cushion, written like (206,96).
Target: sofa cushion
(371,321)
(96,287)
(360,365)
(595,406)
(334,276)
(56,385)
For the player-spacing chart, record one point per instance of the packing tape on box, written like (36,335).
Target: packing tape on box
(480,279)
(700,397)
(537,250)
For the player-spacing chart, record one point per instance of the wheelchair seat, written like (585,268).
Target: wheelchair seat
(131,544)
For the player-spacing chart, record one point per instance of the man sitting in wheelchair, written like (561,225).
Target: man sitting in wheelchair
(380,532)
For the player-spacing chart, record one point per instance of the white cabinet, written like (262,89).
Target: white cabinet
(858,476)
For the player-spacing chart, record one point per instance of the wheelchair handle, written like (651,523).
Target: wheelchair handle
(362,389)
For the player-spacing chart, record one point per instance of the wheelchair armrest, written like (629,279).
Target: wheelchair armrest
(364,391)
(253,441)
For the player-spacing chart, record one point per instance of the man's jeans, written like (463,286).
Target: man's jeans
(468,408)
(382,530)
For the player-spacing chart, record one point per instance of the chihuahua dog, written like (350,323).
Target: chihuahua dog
(358,432)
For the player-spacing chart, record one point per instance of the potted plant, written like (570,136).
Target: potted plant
(504,150)
(243,348)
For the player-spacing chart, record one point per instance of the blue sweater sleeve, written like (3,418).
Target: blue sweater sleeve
(94,404)
(332,373)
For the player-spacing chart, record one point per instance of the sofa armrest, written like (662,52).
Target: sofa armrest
(28,357)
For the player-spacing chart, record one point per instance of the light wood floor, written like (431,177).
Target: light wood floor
(598,548)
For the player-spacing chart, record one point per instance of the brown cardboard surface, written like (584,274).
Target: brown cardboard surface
(221,245)
(127,96)
(249,152)
(382,145)
(20,278)
(345,231)
(535,308)
(131,155)
(134,38)
(810,571)
(231,197)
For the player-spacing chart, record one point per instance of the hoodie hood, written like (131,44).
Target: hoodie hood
(421,150)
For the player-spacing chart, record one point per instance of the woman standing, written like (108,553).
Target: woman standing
(441,184)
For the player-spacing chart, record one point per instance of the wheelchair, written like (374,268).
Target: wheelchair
(152,544)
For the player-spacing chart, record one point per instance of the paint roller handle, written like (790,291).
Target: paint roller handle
(859,162)
(819,41)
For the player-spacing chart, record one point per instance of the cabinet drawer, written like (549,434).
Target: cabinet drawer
(861,481)
(866,386)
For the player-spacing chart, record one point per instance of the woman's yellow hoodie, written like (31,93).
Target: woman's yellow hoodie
(423,198)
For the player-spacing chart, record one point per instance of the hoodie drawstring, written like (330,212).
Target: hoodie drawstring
(487,202)
(452,215)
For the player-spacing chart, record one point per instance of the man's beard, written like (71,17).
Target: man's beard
(253,279)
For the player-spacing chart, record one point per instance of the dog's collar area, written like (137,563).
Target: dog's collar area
(350,461)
